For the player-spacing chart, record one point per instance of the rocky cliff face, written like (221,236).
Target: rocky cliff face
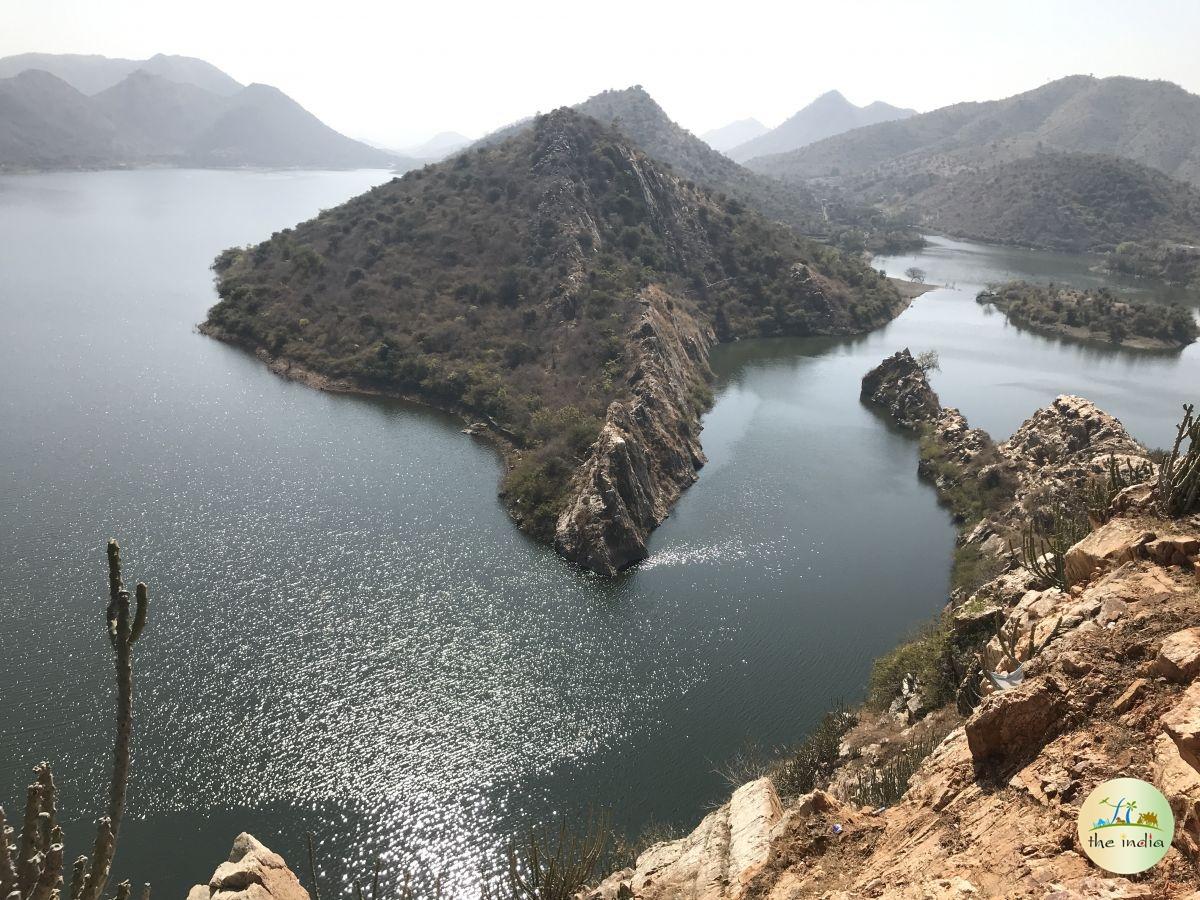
(649,448)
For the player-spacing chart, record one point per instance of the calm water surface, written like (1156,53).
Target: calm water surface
(347,635)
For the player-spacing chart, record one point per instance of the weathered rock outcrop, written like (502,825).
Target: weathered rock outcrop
(993,488)
(898,386)
(727,853)
(252,872)
(649,448)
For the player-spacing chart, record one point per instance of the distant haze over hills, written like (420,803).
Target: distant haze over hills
(439,146)
(93,74)
(1064,201)
(1079,163)
(90,111)
(1155,123)
(729,136)
(829,114)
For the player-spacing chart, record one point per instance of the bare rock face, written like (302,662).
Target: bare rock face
(899,387)
(1070,428)
(1179,656)
(1182,723)
(1010,725)
(252,872)
(649,448)
(1123,540)
(718,860)
(1180,784)
(1114,543)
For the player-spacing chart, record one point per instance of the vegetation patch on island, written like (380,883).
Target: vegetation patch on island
(1098,316)
(1168,261)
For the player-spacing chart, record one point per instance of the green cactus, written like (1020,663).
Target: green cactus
(36,873)
(1043,552)
(1178,489)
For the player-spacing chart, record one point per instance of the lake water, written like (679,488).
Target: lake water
(348,636)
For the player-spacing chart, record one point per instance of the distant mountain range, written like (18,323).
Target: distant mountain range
(1079,163)
(93,74)
(1155,123)
(829,114)
(92,112)
(729,136)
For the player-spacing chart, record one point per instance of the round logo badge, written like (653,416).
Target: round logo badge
(1125,826)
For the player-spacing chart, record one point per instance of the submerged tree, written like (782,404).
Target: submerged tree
(33,868)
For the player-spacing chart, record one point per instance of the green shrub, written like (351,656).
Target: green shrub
(885,784)
(929,656)
(815,758)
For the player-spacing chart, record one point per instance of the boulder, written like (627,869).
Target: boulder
(1179,656)
(1182,723)
(1012,725)
(1174,550)
(1180,784)
(719,859)
(1108,546)
(252,872)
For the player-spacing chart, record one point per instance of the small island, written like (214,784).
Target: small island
(1096,316)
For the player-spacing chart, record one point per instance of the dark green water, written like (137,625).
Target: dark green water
(348,637)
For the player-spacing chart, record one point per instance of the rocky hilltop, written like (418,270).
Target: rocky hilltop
(560,290)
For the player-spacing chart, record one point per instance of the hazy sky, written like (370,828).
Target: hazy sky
(395,73)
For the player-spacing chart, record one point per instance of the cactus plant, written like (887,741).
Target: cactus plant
(1178,488)
(36,873)
(1043,552)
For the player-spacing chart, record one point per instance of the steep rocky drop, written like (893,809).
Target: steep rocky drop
(649,448)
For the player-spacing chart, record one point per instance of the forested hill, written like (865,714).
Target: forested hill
(1074,201)
(505,281)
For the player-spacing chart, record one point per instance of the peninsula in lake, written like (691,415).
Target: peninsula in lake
(562,288)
